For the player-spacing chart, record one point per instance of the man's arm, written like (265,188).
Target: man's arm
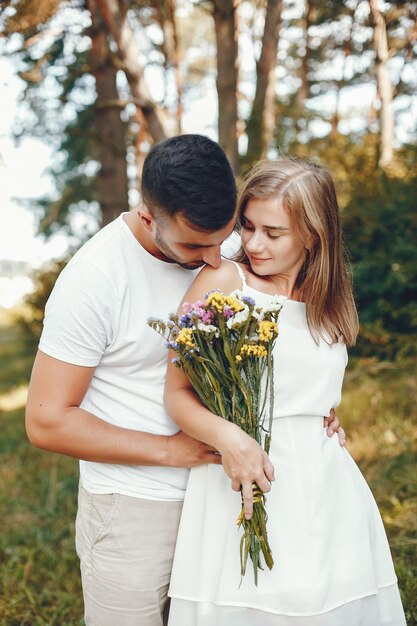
(55,422)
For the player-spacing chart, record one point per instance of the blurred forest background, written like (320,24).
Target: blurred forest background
(105,80)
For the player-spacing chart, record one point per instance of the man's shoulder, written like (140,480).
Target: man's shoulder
(109,237)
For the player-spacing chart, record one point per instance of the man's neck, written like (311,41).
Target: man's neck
(143,237)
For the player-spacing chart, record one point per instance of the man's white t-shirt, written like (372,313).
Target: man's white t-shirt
(97,317)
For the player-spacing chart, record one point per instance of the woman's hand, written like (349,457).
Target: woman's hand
(245,462)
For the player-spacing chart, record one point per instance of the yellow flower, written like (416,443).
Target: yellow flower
(267,330)
(255,350)
(216,300)
(234,304)
(185,337)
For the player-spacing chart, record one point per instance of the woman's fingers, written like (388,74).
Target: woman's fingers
(247,488)
(269,469)
(247,495)
(246,464)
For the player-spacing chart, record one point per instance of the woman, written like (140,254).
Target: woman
(332,561)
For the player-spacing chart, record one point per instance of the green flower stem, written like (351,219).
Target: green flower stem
(234,391)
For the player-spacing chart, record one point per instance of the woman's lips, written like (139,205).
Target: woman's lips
(255,259)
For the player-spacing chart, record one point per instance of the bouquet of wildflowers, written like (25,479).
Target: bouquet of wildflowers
(224,345)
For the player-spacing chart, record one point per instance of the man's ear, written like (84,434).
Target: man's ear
(146,218)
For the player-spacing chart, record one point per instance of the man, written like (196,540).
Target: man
(97,383)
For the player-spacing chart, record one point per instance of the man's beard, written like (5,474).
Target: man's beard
(166,250)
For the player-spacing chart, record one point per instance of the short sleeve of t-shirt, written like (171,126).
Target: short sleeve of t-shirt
(77,324)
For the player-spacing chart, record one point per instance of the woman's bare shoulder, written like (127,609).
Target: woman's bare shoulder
(225,278)
(225,273)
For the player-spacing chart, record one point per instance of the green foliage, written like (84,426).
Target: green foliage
(380,223)
(75,168)
(29,318)
(16,358)
(60,94)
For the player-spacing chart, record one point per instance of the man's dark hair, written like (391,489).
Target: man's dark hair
(191,176)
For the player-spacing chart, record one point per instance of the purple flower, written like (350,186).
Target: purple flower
(248,300)
(172,345)
(227,312)
(206,316)
(185,321)
(189,354)
(190,307)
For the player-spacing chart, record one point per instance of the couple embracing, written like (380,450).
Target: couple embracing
(101,392)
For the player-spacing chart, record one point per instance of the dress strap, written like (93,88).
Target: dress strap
(241,272)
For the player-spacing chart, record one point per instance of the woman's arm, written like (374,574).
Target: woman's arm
(244,461)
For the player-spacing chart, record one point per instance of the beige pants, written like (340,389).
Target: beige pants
(126,546)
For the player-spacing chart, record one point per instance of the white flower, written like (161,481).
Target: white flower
(258,313)
(275,304)
(238,318)
(208,328)
(237,293)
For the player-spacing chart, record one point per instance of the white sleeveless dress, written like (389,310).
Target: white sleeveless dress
(333,565)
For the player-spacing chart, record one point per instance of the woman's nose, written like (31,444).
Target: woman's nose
(255,243)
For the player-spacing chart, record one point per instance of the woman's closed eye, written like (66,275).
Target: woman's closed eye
(247,226)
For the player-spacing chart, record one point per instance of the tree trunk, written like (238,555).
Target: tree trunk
(114,15)
(341,83)
(259,128)
(225,20)
(302,93)
(176,60)
(165,13)
(384,86)
(112,182)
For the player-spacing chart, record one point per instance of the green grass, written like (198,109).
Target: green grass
(379,412)
(15,363)
(39,570)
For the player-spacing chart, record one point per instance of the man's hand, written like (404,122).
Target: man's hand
(332,426)
(184,451)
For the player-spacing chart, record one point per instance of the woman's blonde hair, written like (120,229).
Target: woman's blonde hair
(308,195)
